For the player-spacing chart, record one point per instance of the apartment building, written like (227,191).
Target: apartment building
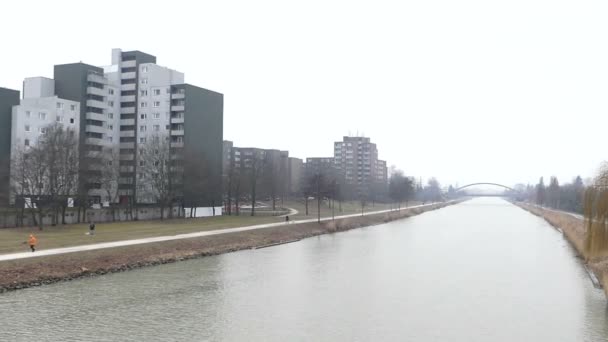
(271,165)
(118,111)
(39,109)
(381,172)
(8,99)
(314,165)
(295,175)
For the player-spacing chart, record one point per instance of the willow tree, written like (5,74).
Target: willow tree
(596,215)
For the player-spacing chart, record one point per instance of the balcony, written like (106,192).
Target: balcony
(127,145)
(128,64)
(127,110)
(177,96)
(127,122)
(129,98)
(96,78)
(97,104)
(96,116)
(127,75)
(177,132)
(130,156)
(96,91)
(178,120)
(95,141)
(177,144)
(95,129)
(127,134)
(179,108)
(127,87)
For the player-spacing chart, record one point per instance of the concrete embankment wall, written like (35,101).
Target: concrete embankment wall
(44,270)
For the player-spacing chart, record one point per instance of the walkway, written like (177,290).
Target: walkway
(65,250)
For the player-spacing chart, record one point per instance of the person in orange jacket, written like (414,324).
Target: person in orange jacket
(32,241)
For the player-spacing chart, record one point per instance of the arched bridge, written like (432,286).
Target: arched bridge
(494,184)
(486,194)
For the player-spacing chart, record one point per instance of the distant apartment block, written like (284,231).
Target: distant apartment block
(296,172)
(271,164)
(118,110)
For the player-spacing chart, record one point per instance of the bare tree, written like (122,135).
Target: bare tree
(46,173)
(272,179)
(255,171)
(157,172)
(401,188)
(110,177)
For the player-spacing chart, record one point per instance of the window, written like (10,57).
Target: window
(168,90)
(109,139)
(156,91)
(168,127)
(143,104)
(28,114)
(111,103)
(26,142)
(156,103)
(142,163)
(143,116)
(156,128)
(144,80)
(42,116)
(27,128)
(42,130)
(142,128)
(143,92)
(110,115)
(156,115)
(72,107)
(72,120)
(142,140)
(110,127)
(111,91)
(144,69)
(59,118)
(59,105)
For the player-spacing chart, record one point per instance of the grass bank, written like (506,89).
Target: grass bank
(25,273)
(574,230)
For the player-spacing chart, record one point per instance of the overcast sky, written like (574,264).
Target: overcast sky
(467,91)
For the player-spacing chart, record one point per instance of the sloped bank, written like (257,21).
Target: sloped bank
(26,273)
(574,231)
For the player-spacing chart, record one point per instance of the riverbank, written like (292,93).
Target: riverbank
(574,230)
(19,274)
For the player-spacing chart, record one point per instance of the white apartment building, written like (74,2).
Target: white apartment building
(39,109)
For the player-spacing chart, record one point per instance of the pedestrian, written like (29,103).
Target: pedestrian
(92,228)
(287,219)
(32,241)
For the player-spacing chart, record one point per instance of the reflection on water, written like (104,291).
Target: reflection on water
(483,270)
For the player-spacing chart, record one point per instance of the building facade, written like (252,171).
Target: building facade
(8,99)
(118,111)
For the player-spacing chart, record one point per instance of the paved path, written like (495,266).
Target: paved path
(292,212)
(91,247)
(578,216)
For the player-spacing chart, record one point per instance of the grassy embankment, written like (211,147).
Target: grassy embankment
(37,271)
(13,239)
(574,231)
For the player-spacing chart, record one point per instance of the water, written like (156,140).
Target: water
(483,270)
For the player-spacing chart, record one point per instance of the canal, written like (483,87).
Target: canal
(482,270)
